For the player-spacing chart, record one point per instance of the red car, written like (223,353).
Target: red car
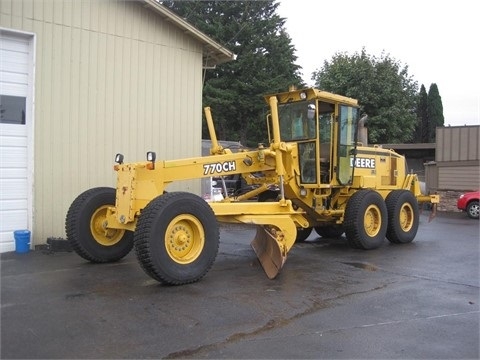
(469,202)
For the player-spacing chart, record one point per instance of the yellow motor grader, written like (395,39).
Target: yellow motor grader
(317,172)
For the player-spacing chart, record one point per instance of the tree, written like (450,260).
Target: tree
(265,63)
(434,111)
(382,86)
(422,129)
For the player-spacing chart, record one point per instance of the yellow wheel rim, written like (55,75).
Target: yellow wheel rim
(406,217)
(372,220)
(184,239)
(99,230)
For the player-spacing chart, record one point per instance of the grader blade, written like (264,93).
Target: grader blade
(268,252)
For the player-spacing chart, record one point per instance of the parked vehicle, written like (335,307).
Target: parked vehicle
(234,184)
(469,202)
(317,172)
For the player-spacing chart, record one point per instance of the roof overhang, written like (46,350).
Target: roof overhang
(417,146)
(213,52)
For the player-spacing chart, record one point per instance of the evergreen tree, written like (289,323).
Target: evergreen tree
(382,86)
(422,129)
(265,63)
(435,111)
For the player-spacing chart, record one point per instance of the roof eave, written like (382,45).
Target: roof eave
(213,53)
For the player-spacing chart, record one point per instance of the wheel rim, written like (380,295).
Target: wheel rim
(372,220)
(406,217)
(475,210)
(184,239)
(99,230)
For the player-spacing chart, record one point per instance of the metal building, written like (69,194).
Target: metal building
(80,81)
(457,159)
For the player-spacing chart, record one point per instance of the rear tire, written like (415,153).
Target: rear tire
(403,216)
(366,220)
(85,226)
(330,231)
(302,234)
(177,237)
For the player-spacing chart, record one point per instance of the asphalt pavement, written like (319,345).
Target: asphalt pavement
(412,301)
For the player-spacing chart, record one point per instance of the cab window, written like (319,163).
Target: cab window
(297,121)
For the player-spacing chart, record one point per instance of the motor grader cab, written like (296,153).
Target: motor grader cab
(313,174)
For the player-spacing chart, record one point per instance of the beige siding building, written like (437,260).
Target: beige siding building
(457,160)
(458,157)
(456,168)
(81,80)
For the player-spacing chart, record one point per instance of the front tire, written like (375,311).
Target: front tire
(473,210)
(403,216)
(176,239)
(87,231)
(366,220)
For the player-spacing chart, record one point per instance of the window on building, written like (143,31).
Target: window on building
(12,109)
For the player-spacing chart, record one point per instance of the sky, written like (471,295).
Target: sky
(437,40)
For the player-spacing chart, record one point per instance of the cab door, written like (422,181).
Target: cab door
(347,117)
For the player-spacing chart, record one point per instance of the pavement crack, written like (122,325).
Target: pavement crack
(269,325)
(232,338)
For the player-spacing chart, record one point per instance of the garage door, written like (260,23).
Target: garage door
(15,139)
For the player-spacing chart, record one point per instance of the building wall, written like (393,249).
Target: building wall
(463,178)
(456,168)
(457,143)
(457,158)
(110,76)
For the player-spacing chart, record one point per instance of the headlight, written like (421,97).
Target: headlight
(151,156)
(119,159)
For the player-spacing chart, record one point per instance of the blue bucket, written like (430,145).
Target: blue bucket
(22,241)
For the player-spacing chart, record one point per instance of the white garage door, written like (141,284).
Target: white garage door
(15,135)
